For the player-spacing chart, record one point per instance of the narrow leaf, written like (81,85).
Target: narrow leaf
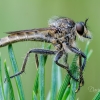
(63,87)
(59,79)
(41,77)
(66,94)
(48,96)
(11,92)
(2,95)
(15,69)
(75,73)
(42,61)
(54,81)
(34,96)
(86,47)
(40,72)
(89,54)
(6,89)
(97,96)
(35,87)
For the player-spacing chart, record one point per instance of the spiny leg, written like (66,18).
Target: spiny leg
(81,81)
(37,51)
(58,56)
(65,58)
(36,60)
(81,72)
(80,53)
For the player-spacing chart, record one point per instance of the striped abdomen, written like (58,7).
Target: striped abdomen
(43,34)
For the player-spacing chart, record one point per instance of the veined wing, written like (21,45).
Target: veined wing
(32,30)
(41,34)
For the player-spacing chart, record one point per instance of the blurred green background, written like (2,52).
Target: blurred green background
(28,14)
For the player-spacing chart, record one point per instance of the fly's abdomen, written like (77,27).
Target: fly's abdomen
(28,35)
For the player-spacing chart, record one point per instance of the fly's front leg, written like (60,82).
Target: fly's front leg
(81,81)
(36,51)
(81,72)
(80,53)
(58,56)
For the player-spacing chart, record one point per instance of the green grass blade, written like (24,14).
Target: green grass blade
(34,96)
(63,87)
(36,85)
(67,81)
(42,61)
(15,69)
(48,96)
(97,96)
(87,52)
(73,89)
(6,89)
(54,81)
(41,77)
(2,95)
(11,92)
(86,47)
(66,94)
(59,79)
(39,80)
(75,73)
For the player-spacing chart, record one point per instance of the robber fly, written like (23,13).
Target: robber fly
(62,33)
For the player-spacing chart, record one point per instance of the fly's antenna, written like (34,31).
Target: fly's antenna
(86,21)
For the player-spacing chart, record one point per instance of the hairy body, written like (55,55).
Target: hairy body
(62,33)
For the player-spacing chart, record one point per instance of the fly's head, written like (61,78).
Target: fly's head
(81,30)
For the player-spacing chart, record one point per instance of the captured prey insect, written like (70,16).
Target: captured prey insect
(62,33)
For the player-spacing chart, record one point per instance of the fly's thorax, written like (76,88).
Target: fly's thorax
(68,39)
(62,32)
(62,22)
(65,47)
(57,44)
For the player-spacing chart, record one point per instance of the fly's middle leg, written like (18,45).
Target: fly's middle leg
(36,51)
(58,56)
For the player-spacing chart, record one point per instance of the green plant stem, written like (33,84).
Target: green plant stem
(54,81)
(2,94)
(97,96)
(63,87)
(41,77)
(11,92)
(15,69)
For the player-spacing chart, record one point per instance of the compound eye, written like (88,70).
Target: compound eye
(80,28)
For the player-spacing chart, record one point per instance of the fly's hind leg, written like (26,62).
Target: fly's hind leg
(36,51)
(58,56)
